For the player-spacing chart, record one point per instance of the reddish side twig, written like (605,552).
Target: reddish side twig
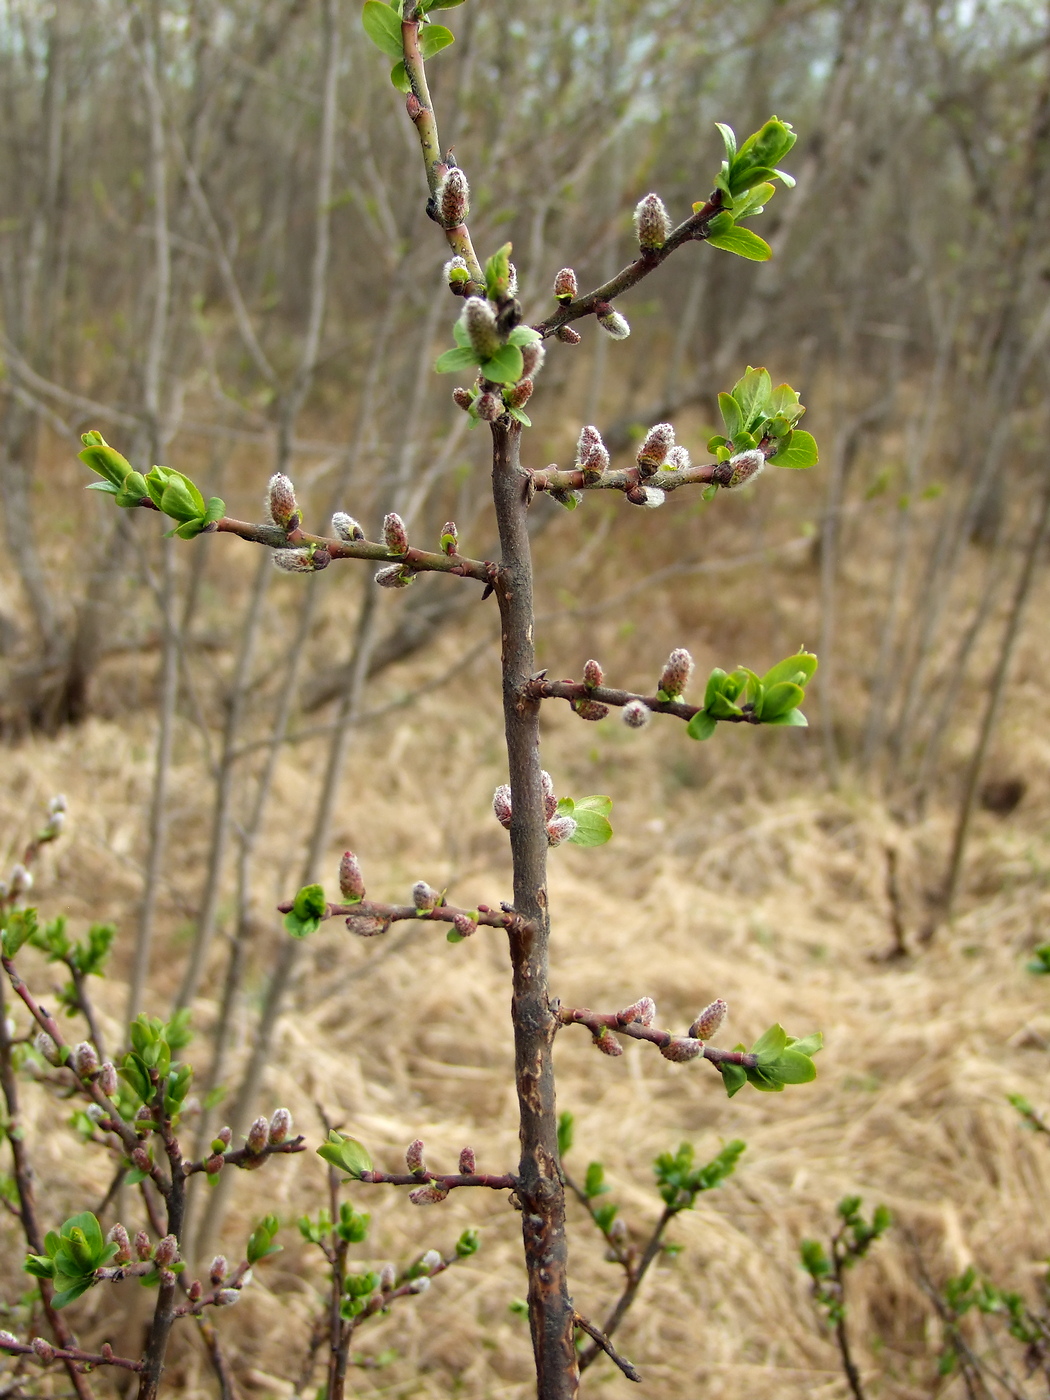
(573,691)
(599,1023)
(48,1353)
(449,1181)
(601,1340)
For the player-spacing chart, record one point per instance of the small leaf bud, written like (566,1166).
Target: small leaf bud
(611,322)
(394,576)
(641,1012)
(464,398)
(140,1159)
(215,1163)
(618,1230)
(568,335)
(85,1059)
(652,223)
(395,536)
(425,896)
(453,199)
(224,1136)
(488,407)
(367,925)
(57,804)
(607,1044)
(464,925)
(649,496)
(592,455)
(421,1284)
(43,1349)
(46,1047)
(593,710)
(709,1020)
(467,1162)
(678,669)
(195,1290)
(428,1195)
(20,880)
(346,528)
(299,561)
(226,1297)
(431,1260)
(280,501)
(519,395)
(560,829)
(744,467)
(387,1278)
(479,322)
(55,823)
(258,1134)
(449,537)
(569,499)
(167,1251)
(143,1248)
(565,286)
(457,274)
(501,805)
(636,715)
(678,459)
(550,800)
(532,358)
(280,1125)
(653,452)
(351,881)
(119,1236)
(414,1156)
(217,1272)
(681,1048)
(593,675)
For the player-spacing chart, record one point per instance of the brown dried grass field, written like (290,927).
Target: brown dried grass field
(733,872)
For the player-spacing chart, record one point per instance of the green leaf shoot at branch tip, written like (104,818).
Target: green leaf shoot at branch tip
(174,494)
(346,1154)
(591,815)
(307,912)
(73,1254)
(770,699)
(782,1060)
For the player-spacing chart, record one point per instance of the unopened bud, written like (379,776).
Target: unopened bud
(464,398)
(636,715)
(387,1278)
(280,1125)
(611,322)
(652,223)
(649,496)
(167,1251)
(681,1048)
(449,537)
(467,1161)
(367,925)
(428,1195)
(281,505)
(709,1020)
(215,1163)
(119,1236)
(431,1260)
(107,1079)
(565,286)
(55,822)
(519,395)
(351,881)
(607,1044)
(300,561)
(346,527)
(226,1297)
(20,880)
(195,1290)
(532,357)
(217,1272)
(46,1047)
(414,1156)
(488,407)
(421,1284)
(464,925)
(424,896)
(143,1248)
(140,1159)
(593,675)
(501,805)
(257,1136)
(85,1059)
(550,800)
(225,1136)
(457,274)
(453,198)
(394,576)
(678,669)
(395,536)
(618,1230)
(640,1013)
(678,459)
(8,1339)
(560,829)
(46,1352)
(592,455)
(57,803)
(591,709)
(479,322)
(568,335)
(744,467)
(653,452)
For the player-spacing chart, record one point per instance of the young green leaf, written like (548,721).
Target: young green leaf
(743,243)
(505,367)
(593,827)
(383,27)
(346,1154)
(752,392)
(433,38)
(731,413)
(801,451)
(701,726)
(455,361)
(780,698)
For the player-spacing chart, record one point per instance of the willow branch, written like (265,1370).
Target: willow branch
(636,1272)
(242,1157)
(600,1023)
(387,914)
(601,1340)
(47,1353)
(573,691)
(447,1182)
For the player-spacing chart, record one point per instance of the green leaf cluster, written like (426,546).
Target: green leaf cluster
(782,1060)
(382,23)
(308,911)
(745,183)
(346,1154)
(171,492)
(851,1242)
(260,1241)
(680,1180)
(755,412)
(86,957)
(772,699)
(153,1042)
(505,367)
(1039,963)
(591,815)
(19,928)
(468,1243)
(73,1253)
(358,1288)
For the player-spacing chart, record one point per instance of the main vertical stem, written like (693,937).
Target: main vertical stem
(541,1193)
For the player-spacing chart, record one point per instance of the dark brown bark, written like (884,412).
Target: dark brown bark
(540,1190)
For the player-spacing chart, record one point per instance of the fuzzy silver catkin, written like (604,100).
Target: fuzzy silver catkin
(107,1079)
(532,358)
(593,675)
(560,829)
(119,1236)
(709,1020)
(351,881)
(464,398)
(636,715)
(85,1059)
(479,322)
(20,881)
(489,407)
(642,1012)
(677,673)
(467,1162)
(395,536)
(167,1251)
(678,459)
(46,1048)
(592,710)
(431,1260)
(217,1271)
(519,395)
(449,537)
(592,456)
(464,925)
(226,1297)
(424,896)
(681,1048)
(387,1278)
(614,325)
(568,335)
(280,1126)
(565,285)
(745,466)
(652,223)
(281,505)
(346,528)
(414,1156)
(453,198)
(367,925)
(298,561)
(258,1134)
(501,805)
(550,799)
(607,1044)
(654,449)
(394,576)
(43,1349)
(428,1195)
(457,274)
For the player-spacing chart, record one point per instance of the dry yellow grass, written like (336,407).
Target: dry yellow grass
(732,873)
